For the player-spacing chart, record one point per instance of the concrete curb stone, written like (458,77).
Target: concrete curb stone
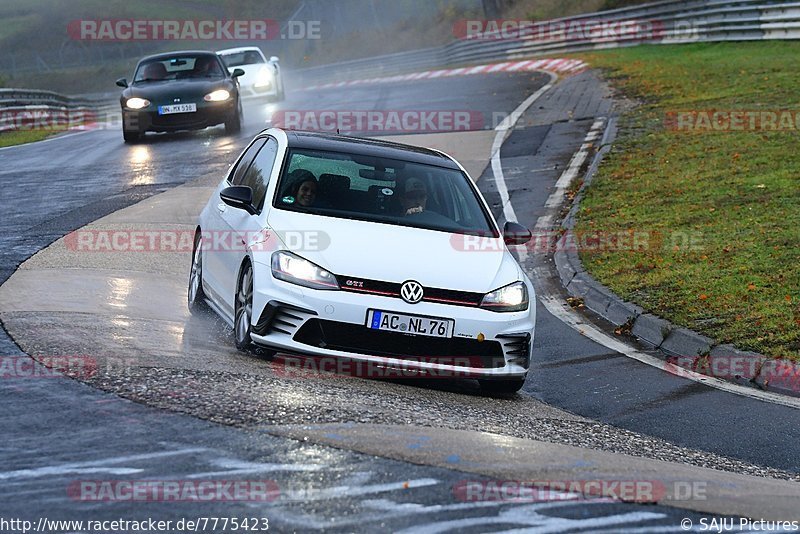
(740,365)
(651,329)
(684,342)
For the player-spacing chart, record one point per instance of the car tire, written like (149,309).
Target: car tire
(131,136)
(234,125)
(243,311)
(507,386)
(196,297)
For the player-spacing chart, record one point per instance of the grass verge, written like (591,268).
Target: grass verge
(719,210)
(20,137)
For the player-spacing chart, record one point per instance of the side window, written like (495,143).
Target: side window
(244,163)
(257,176)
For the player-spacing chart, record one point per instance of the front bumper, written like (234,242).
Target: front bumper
(333,324)
(266,93)
(207,114)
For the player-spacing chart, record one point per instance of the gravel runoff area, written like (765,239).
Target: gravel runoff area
(246,400)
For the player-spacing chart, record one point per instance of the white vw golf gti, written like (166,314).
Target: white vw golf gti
(378,252)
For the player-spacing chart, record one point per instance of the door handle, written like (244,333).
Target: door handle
(221,207)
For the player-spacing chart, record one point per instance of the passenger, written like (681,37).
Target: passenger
(251,58)
(302,188)
(206,66)
(414,197)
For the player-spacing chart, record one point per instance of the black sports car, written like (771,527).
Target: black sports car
(180,91)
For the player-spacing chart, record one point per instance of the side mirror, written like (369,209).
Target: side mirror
(122,82)
(516,234)
(238,196)
(236,73)
(273,59)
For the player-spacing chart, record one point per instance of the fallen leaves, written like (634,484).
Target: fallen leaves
(575,302)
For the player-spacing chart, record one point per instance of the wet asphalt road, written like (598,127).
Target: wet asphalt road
(68,434)
(69,182)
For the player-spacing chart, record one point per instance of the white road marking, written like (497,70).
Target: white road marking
(62,469)
(502,134)
(568,316)
(237,467)
(337,492)
(381,510)
(529,516)
(503,130)
(387,505)
(557,196)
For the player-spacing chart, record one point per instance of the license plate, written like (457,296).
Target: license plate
(177,108)
(410,324)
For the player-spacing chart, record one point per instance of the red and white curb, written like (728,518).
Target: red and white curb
(557,66)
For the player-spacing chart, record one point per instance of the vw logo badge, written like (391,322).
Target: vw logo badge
(411,291)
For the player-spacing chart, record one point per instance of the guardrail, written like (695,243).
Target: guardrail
(672,22)
(25,109)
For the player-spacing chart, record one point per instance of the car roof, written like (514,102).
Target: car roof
(368,147)
(165,55)
(240,49)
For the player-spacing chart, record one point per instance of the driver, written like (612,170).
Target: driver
(414,196)
(206,66)
(154,71)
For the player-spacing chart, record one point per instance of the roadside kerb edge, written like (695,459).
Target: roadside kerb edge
(655,332)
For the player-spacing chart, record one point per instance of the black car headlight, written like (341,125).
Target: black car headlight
(296,270)
(220,95)
(136,103)
(511,298)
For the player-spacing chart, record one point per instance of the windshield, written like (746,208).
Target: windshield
(179,67)
(382,190)
(248,57)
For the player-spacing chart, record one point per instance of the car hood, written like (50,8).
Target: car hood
(251,72)
(392,253)
(190,90)
(253,68)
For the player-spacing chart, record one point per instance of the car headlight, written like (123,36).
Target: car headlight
(264,78)
(220,95)
(511,298)
(136,103)
(296,270)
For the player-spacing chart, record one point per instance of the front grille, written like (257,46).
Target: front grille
(281,318)
(179,120)
(359,339)
(517,348)
(392,289)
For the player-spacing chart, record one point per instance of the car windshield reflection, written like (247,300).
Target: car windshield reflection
(179,68)
(381,190)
